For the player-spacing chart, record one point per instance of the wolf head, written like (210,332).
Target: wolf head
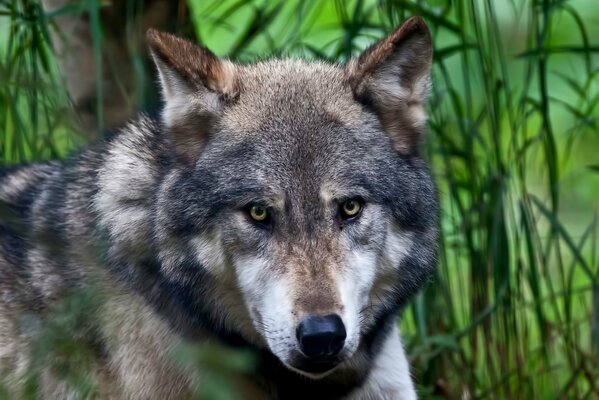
(299,192)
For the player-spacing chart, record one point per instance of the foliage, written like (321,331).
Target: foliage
(514,311)
(33,109)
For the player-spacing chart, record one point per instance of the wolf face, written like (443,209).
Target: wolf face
(299,192)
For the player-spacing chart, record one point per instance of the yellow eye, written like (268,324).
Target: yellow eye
(351,208)
(259,213)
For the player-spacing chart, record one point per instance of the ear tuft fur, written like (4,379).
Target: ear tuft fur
(197,66)
(393,76)
(196,86)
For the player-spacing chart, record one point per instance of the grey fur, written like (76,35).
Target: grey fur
(155,218)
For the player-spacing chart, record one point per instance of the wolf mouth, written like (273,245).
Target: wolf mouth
(318,366)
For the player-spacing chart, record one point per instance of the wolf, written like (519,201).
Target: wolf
(281,207)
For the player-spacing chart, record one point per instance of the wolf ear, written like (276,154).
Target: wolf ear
(393,77)
(196,85)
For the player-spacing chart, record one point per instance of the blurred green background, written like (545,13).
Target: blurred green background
(513,142)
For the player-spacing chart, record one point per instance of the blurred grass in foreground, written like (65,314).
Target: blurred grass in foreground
(514,311)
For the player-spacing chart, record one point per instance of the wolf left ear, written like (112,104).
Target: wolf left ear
(196,86)
(393,77)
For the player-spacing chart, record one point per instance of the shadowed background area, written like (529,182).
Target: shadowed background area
(512,140)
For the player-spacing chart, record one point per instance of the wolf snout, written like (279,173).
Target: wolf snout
(321,336)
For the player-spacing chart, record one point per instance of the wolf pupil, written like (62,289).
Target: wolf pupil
(350,208)
(258,213)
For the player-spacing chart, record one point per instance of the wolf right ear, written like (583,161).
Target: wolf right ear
(392,77)
(196,85)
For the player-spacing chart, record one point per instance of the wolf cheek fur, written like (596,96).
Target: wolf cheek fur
(158,218)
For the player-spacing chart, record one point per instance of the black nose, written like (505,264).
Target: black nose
(321,336)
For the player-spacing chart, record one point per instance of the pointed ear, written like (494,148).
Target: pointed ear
(196,86)
(393,77)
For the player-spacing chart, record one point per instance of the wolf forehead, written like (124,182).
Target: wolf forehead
(297,120)
(294,94)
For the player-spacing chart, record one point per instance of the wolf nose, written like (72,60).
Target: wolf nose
(321,336)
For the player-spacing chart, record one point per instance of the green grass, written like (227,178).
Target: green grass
(514,310)
(34,116)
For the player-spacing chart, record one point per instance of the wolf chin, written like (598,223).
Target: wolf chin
(281,207)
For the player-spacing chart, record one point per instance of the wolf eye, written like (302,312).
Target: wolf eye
(350,208)
(259,213)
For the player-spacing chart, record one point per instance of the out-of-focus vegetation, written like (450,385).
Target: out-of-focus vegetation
(513,139)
